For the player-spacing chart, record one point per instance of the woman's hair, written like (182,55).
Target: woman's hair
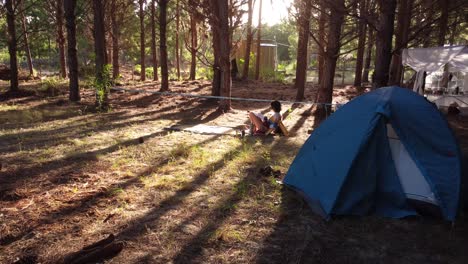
(276,105)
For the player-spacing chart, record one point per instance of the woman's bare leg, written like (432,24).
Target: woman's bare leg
(257,122)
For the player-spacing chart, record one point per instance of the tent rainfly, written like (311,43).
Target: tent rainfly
(388,152)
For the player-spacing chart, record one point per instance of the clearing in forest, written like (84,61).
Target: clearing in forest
(70,176)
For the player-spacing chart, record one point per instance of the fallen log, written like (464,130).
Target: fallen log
(97,252)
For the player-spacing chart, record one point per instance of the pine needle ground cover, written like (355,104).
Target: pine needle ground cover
(70,176)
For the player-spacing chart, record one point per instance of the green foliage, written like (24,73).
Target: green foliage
(205,73)
(86,70)
(270,75)
(4,56)
(102,87)
(240,65)
(50,86)
(149,71)
(173,74)
(291,68)
(137,69)
(283,32)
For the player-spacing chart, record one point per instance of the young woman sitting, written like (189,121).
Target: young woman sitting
(262,125)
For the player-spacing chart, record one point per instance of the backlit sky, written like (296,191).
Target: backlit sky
(272,11)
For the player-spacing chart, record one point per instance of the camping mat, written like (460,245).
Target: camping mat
(206,129)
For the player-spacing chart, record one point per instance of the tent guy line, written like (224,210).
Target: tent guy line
(216,97)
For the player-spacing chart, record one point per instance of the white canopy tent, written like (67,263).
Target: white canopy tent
(433,60)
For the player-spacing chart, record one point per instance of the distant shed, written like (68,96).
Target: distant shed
(268,56)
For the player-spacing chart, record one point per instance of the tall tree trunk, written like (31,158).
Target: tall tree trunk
(302,48)
(443,26)
(401,39)
(216,85)
(12,45)
(454,31)
(154,56)
(443,22)
(321,38)
(142,41)
(426,13)
(225,48)
(61,38)
(331,55)
(100,51)
(248,44)
(221,11)
(383,54)
(70,17)
(193,48)
(163,43)
(115,41)
(259,41)
(177,39)
(27,49)
(368,59)
(361,45)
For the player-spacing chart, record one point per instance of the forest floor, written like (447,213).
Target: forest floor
(69,176)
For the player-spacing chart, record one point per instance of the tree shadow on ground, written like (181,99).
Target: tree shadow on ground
(152,218)
(302,120)
(300,236)
(72,164)
(45,112)
(85,204)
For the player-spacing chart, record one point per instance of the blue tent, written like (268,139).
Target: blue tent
(378,154)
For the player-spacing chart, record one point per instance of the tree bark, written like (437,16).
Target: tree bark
(361,45)
(61,38)
(368,59)
(163,43)
(27,49)
(12,46)
(401,39)
(154,56)
(259,41)
(193,48)
(70,17)
(216,85)
(321,37)
(302,48)
(383,52)
(142,41)
(443,22)
(115,41)
(248,44)
(331,55)
(220,8)
(177,39)
(100,50)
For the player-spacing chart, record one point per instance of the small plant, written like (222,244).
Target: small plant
(149,72)
(205,73)
(50,86)
(116,191)
(102,87)
(137,69)
(181,150)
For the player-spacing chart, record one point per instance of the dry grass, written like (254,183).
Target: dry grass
(69,176)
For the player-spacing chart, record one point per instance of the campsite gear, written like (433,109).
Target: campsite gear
(269,171)
(375,154)
(283,129)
